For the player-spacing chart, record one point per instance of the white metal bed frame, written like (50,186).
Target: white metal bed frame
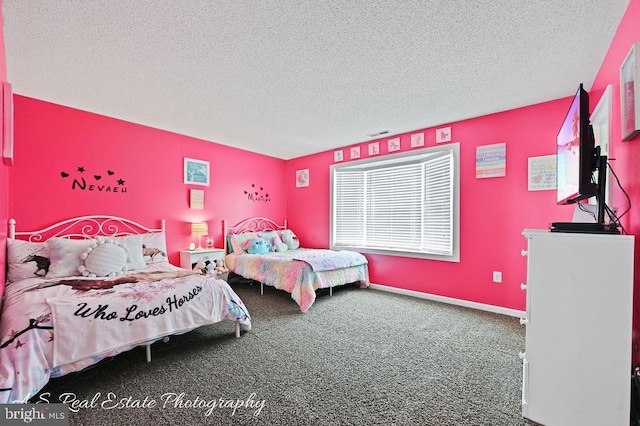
(252,224)
(86,227)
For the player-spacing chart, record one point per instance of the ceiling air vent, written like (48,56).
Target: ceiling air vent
(373,135)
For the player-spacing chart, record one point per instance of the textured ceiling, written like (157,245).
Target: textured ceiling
(291,78)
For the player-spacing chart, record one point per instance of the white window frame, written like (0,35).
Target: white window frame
(394,160)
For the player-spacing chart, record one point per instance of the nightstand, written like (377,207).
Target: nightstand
(189,258)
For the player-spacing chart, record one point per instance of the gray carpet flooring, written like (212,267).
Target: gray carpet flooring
(359,357)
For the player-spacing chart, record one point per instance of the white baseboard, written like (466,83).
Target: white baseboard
(450,300)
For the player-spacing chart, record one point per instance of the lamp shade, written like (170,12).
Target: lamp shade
(199,228)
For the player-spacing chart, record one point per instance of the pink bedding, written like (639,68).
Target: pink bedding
(301,272)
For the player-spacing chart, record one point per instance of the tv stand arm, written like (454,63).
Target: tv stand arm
(601,166)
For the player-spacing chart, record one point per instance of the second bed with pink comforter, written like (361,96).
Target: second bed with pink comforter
(301,272)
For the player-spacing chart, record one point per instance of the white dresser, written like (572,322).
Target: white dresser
(577,359)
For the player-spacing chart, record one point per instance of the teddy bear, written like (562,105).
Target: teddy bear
(257,245)
(290,239)
(220,267)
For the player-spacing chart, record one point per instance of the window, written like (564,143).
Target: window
(405,204)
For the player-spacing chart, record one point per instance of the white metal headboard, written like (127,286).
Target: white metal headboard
(252,224)
(84,227)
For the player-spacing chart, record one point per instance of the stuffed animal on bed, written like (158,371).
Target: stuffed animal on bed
(257,245)
(290,239)
(273,239)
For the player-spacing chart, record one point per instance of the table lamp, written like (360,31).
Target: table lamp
(199,229)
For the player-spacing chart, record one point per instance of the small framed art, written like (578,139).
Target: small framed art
(443,135)
(393,144)
(196,199)
(374,148)
(354,152)
(302,178)
(417,140)
(630,93)
(196,172)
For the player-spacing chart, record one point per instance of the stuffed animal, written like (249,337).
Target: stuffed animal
(290,239)
(221,268)
(257,245)
(273,239)
(280,247)
(200,267)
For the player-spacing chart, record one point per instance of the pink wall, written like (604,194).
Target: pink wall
(4,175)
(493,212)
(52,139)
(626,154)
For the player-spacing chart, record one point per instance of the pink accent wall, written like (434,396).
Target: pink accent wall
(493,211)
(626,155)
(51,140)
(4,175)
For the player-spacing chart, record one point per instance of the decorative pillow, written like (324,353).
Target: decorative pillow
(239,240)
(64,254)
(133,245)
(274,240)
(154,248)
(290,239)
(26,260)
(229,244)
(104,258)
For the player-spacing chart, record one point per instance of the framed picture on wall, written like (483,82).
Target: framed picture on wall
(630,93)
(6,123)
(443,135)
(393,144)
(196,172)
(302,178)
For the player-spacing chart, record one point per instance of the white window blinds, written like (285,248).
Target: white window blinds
(404,204)
(349,207)
(394,207)
(438,212)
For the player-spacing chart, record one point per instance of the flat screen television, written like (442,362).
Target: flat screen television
(576,154)
(577,160)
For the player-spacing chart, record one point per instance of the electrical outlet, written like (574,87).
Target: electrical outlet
(497,276)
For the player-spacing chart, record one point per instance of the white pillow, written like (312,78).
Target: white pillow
(154,248)
(104,258)
(26,260)
(133,245)
(64,254)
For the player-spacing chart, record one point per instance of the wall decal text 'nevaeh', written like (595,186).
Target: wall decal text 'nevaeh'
(81,183)
(133,313)
(93,187)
